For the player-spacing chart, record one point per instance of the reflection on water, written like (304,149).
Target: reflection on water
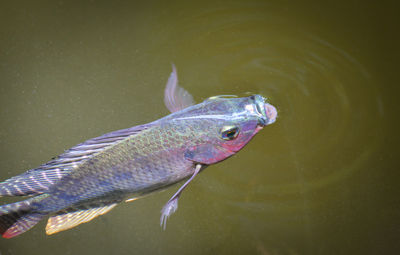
(306,185)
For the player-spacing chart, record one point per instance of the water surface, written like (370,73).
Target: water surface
(321,180)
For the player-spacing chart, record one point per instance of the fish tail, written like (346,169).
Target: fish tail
(18,217)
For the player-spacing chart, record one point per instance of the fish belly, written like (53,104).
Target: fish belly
(97,184)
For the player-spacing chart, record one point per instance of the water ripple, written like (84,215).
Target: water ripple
(324,96)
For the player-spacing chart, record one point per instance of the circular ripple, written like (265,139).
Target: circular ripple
(328,107)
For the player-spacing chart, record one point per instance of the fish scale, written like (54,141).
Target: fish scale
(91,178)
(125,157)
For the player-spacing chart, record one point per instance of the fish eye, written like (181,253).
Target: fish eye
(229,132)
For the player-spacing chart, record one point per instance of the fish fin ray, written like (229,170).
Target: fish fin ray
(39,180)
(176,98)
(18,218)
(69,220)
(31,182)
(131,199)
(172,205)
(78,154)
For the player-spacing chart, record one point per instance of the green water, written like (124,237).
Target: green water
(321,180)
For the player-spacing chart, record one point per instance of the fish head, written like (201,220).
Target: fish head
(222,126)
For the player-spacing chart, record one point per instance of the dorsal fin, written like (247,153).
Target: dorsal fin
(176,98)
(76,155)
(37,181)
(69,220)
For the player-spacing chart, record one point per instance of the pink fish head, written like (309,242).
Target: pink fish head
(222,126)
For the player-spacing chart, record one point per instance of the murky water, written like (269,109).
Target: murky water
(321,180)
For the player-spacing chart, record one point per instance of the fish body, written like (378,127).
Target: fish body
(93,177)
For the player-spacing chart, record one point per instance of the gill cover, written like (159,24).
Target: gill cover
(207,153)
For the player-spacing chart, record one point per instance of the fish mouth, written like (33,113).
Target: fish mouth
(267,113)
(271,113)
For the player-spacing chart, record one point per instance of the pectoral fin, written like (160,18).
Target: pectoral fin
(175,97)
(172,205)
(69,220)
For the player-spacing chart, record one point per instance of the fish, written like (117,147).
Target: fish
(91,178)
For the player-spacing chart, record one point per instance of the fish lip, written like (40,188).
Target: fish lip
(271,113)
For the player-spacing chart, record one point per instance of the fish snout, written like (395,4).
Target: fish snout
(271,113)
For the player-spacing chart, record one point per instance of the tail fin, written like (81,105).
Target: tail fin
(17,218)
